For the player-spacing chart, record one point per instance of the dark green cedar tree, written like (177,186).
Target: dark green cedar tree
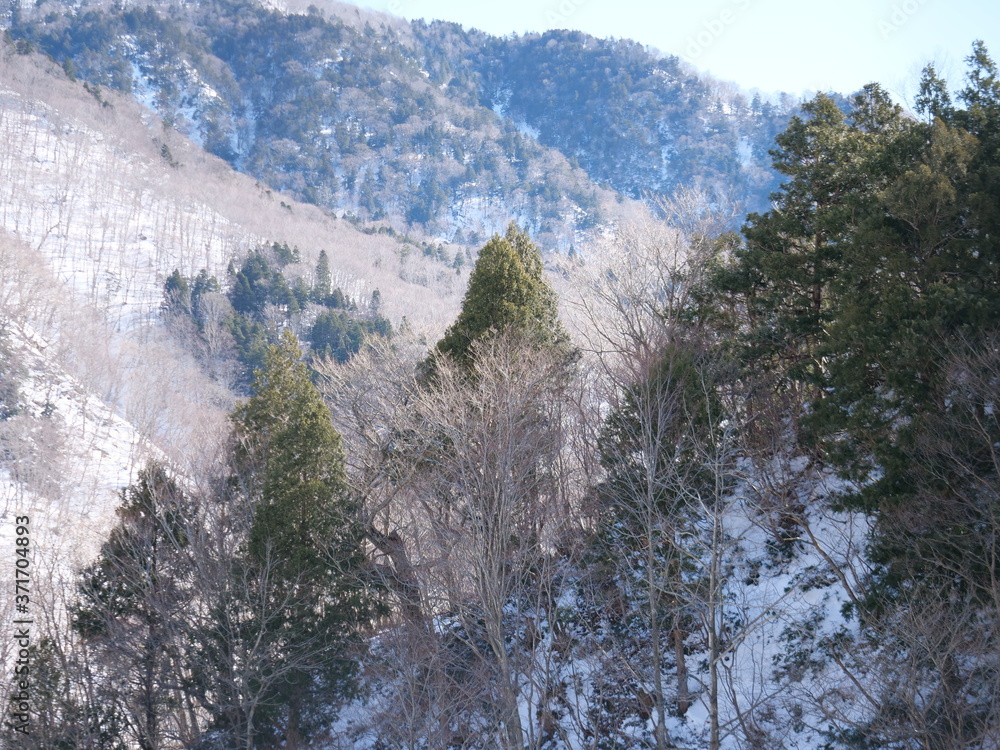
(323,287)
(922,279)
(507,293)
(794,252)
(305,544)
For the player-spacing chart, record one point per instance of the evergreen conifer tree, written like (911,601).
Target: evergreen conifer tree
(507,293)
(132,600)
(921,279)
(794,252)
(303,557)
(177,292)
(933,100)
(324,281)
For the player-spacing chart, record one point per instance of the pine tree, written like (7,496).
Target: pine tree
(132,598)
(303,552)
(793,252)
(324,282)
(498,373)
(933,100)
(507,293)
(288,442)
(913,369)
(981,95)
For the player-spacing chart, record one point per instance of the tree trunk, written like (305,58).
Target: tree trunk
(403,579)
(683,692)
(654,634)
(714,632)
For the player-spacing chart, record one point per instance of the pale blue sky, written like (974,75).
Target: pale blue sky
(788,45)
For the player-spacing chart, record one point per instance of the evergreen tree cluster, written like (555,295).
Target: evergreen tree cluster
(865,305)
(240,609)
(876,265)
(11,375)
(261,302)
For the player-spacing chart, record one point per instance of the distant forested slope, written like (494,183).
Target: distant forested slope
(426,125)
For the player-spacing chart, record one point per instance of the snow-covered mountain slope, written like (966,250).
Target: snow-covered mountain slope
(115,201)
(98,204)
(766,616)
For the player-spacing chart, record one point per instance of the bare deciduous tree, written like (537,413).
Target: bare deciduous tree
(492,439)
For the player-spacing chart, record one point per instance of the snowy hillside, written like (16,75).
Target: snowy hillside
(765,647)
(98,206)
(277,477)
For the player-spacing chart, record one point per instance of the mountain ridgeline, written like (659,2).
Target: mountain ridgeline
(421,124)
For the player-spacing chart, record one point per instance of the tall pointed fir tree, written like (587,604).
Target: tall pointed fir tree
(324,280)
(507,294)
(302,594)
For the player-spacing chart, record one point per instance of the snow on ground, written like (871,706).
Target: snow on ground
(776,607)
(101,215)
(68,487)
(63,461)
(88,233)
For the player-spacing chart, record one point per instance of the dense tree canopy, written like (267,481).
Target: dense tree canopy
(304,560)
(874,275)
(507,292)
